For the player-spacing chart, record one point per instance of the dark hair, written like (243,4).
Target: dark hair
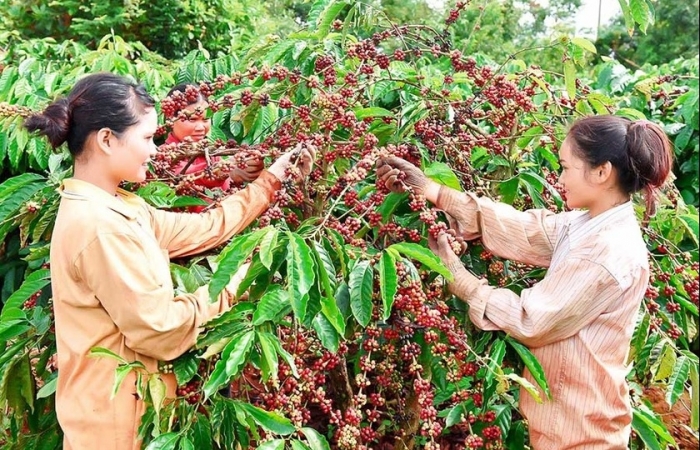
(182,87)
(101,100)
(639,150)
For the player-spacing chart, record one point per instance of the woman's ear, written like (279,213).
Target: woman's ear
(104,138)
(604,173)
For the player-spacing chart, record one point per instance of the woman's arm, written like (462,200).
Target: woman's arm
(185,234)
(566,300)
(138,295)
(528,236)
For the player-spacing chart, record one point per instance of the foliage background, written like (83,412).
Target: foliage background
(42,58)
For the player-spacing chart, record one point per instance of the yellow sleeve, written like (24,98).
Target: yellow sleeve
(185,234)
(135,290)
(525,236)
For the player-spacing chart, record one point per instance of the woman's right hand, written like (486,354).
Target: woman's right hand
(389,173)
(301,157)
(253,166)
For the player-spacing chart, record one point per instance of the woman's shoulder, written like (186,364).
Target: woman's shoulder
(620,250)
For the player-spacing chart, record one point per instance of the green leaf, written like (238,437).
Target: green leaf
(695,396)
(443,174)
(232,358)
(200,432)
(275,444)
(529,387)
(639,336)
(13,184)
(268,420)
(643,358)
(361,287)
(267,246)
(166,441)
(48,389)
(424,256)
(326,332)
(391,202)
(186,444)
(627,14)
(156,389)
(373,111)
(326,270)
(532,364)
(584,43)
(642,14)
(269,355)
(528,136)
(231,259)
(10,329)
(101,352)
(286,356)
(630,113)
(498,351)
(509,190)
(35,282)
(330,310)
(455,414)
(185,367)
(120,375)
(676,382)
(20,390)
(663,367)
(272,304)
(388,282)
(298,445)
(315,439)
(652,421)
(327,17)
(693,225)
(300,273)
(599,102)
(570,78)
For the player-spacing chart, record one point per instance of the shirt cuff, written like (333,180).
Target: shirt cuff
(269,183)
(474,291)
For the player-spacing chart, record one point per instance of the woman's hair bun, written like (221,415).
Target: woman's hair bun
(53,122)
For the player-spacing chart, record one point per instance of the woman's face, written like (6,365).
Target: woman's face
(580,193)
(135,148)
(196,126)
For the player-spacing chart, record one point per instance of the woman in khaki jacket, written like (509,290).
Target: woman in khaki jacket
(110,257)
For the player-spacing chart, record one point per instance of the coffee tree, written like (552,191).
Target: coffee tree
(346,337)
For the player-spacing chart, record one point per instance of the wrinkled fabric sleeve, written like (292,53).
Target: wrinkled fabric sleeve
(524,236)
(184,234)
(117,269)
(559,306)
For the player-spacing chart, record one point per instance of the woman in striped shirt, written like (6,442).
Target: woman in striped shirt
(578,320)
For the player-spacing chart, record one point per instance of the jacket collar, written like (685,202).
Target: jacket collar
(584,226)
(124,203)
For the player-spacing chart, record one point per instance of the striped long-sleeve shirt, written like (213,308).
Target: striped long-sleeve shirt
(578,320)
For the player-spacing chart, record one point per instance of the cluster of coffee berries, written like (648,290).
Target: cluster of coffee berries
(8,110)
(30,303)
(177,101)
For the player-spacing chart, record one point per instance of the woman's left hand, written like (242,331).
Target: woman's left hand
(447,246)
(253,166)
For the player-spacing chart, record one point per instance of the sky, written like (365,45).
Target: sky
(586,18)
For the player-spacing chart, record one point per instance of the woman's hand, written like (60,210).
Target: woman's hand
(448,246)
(301,158)
(253,166)
(398,175)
